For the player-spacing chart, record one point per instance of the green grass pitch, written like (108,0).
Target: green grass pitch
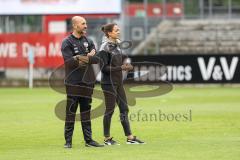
(29,128)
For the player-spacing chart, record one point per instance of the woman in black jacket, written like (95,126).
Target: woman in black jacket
(112,66)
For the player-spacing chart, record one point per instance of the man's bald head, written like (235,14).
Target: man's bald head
(77,19)
(79,24)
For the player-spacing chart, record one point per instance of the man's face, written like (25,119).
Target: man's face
(115,34)
(80,26)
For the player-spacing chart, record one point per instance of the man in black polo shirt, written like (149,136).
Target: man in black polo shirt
(79,53)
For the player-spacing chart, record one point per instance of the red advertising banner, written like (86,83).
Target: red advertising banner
(15,48)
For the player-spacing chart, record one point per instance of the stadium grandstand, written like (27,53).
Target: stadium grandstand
(155,27)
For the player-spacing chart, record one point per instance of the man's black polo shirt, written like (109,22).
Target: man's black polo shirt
(76,74)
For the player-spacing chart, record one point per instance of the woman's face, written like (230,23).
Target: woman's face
(115,34)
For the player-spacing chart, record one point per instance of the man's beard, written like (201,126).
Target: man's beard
(82,32)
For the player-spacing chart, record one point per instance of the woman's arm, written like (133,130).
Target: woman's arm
(104,63)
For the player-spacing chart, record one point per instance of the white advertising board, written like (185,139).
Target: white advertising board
(26,7)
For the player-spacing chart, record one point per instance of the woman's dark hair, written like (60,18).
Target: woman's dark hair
(108,28)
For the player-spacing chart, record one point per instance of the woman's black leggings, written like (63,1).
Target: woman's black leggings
(113,94)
